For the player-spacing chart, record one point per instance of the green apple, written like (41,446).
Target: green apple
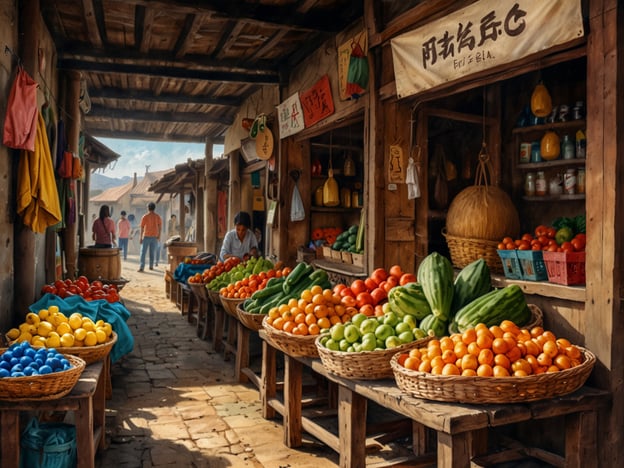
(333,345)
(323,340)
(369,325)
(410,320)
(383,331)
(355,348)
(368,336)
(402,327)
(406,336)
(343,345)
(390,318)
(352,333)
(381,344)
(419,333)
(337,331)
(392,342)
(358,318)
(386,308)
(369,344)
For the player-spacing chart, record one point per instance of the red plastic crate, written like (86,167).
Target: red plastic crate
(565,267)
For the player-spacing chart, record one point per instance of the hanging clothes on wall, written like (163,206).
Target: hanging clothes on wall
(20,123)
(37,196)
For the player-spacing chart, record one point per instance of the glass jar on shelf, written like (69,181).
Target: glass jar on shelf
(529,184)
(540,184)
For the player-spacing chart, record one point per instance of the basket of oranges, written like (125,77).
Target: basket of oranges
(501,364)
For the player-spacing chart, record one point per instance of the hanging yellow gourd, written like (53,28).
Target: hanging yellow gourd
(550,146)
(331,193)
(541,103)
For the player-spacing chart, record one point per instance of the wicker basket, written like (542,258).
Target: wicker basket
(465,251)
(229,304)
(293,345)
(200,291)
(42,387)
(91,354)
(365,365)
(214,297)
(492,389)
(251,321)
(537,317)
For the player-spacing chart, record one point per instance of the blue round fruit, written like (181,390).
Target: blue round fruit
(45,369)
(4,373)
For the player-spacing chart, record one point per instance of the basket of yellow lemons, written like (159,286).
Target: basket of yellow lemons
(77,335)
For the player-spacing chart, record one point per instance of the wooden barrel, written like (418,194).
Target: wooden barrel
(99,264)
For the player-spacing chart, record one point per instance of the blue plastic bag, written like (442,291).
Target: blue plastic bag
(48,445)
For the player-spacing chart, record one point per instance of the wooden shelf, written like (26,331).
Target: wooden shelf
(543,288)
(344,268)
(550,126)
(550,164)
(551,198)
(333,209)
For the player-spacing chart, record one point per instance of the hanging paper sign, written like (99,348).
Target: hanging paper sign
(485,34)
(317,102)
(396,165)
(344,58)
(290,116)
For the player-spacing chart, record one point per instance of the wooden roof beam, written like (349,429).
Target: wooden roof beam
(220,76)
(148,96)
(144,19)
(192,24)
(94,20)
(149,116)
(149,136)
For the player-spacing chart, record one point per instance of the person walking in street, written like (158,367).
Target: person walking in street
(103,229)
(151,227)
(172,226)
(123,228)
(240,241)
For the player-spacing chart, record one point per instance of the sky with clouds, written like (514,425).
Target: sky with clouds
(137,154)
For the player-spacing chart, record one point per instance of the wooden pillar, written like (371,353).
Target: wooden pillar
(234,196)
(210,203)
(24,250)
(182,220)
(85,205)
(199,213)
(72,109)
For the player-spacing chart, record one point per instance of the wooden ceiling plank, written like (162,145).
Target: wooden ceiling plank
(192,24)
(166,98)
(92,23)
(102,112)
(138,135)
(170,72)
(229,37)
(143,28)
(269,44)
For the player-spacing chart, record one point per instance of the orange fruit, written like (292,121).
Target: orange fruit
(469,361)
(499,346)
(474,349)
(425,365)
(448,356)
(486,356)
(514,353)
(469,336)
(544,359)
(536,331)
(562,362)
(484,370)
(450,369)
(500,371)
(414,353)
(446,343)
(303,328)
(324,323)
(550,348)
(509,326)
(412,363)
(289,326)
(460,349)
(437,362)
(573,352)
(300,317)
(469,373)
(314,329)
(484,341)
(501,360)
(497,331)
(437,370)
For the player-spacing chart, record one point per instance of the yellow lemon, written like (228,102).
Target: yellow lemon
(90,339)
(61,317)
(24,327)
(67,340)
(13,333)
(44,314)
(44,328)
(64,328)
(53,309)
(99,323)
(53,340)
(88,325)
(24,336)
(80,334)
(108,328)
(101,335)
(38,342)
(32,318)
(75,320)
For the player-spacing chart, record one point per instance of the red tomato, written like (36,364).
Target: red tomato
(407,278)
(551,232)
(578,244)
(358,286)
(392,281)
(364,298)
(370,284)
(48,288)
(379,275)
(97,284)
(348,301)
(347,292)
(527,237)
(339,287)
(378,295)
(368,310)
(541,230)
(396,271)
(58,284)
(379,312)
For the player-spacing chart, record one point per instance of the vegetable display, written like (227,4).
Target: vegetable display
(90,291)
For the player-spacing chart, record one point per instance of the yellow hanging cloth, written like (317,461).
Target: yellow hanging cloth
(37,195)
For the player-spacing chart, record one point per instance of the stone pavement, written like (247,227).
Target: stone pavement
(176,402)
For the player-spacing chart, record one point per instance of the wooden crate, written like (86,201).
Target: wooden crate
(177,251)
(336,256)
(346,257)
(358,259)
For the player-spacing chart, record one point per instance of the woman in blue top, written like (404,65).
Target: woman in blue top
(241,241)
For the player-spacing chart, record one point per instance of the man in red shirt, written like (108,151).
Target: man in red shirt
(123,228)
(151,226)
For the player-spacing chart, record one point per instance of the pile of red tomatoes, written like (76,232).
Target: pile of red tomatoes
(81,286)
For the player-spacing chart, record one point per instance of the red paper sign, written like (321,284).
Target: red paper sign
(317,102)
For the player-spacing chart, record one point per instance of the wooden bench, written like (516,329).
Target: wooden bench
(87,401)
(462,430)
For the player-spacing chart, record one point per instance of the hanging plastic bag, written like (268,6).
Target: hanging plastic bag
(66,168)
(20,123)
(297,212)
(411,179)
(357,74)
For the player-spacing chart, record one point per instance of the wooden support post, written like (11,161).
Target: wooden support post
(268,387)
(293,371)
(352,428)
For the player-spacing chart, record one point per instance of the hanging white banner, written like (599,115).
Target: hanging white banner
(290,116)
(483,35)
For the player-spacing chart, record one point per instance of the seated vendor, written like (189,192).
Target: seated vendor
(240,242)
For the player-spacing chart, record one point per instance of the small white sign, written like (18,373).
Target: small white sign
(290,116)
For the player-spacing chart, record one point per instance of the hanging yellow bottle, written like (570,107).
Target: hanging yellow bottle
(331,194)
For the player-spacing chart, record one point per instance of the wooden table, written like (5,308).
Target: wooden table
(87,401)
(462,430)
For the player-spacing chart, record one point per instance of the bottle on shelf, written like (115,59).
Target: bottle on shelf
(581,144)
(529,184)
(569,182)
(567,148)
(540,184)
(580,181)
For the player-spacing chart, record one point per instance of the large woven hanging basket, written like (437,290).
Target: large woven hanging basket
(478,218)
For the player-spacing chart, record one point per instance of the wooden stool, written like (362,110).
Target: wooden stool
(87,401)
